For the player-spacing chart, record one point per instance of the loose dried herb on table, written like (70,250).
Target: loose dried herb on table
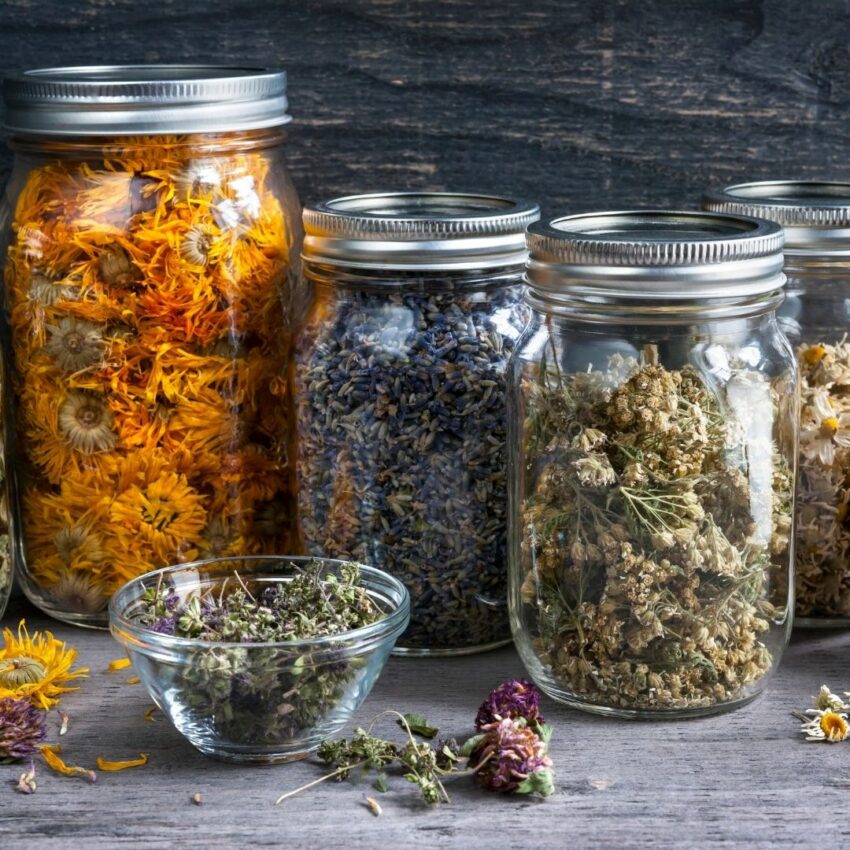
(263,696)
(653,509)
(508,754)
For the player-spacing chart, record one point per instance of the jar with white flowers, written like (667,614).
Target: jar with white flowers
(816,318)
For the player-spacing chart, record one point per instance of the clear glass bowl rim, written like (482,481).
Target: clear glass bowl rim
(372,578)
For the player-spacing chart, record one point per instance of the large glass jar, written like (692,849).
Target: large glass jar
(399,390)
(816,318)
(653,412)
(151,234)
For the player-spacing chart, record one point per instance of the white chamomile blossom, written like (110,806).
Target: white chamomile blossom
(826,700)
(825,725)
(825,430)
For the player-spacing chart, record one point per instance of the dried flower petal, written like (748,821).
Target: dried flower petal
(64,719)
(373,806)
(26,781)
(119,664)
(50,754)
(113,766)
(133,680)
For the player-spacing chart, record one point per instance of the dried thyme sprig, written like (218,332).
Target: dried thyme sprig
(313,603)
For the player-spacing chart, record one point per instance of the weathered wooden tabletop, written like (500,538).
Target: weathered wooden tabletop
(746,779)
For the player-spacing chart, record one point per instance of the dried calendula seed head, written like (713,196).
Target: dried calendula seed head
(197,244)
(116,268)
(200,177)
(86,422)
(77,592)
(20,670)
(74,344)
(46,291)
(74,541)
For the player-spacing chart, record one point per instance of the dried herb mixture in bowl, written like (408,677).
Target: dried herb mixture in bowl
(260,659)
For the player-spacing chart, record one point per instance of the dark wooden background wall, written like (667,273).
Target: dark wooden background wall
(580,103)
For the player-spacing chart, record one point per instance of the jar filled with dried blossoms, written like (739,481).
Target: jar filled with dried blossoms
(152,234)
(653,406)
(399,388)
(816,318)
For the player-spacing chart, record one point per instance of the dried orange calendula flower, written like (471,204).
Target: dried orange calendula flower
(146,284)
(36,666)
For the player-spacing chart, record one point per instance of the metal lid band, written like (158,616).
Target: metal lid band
(418,231)
(123,100)
(654,256)
(815,214)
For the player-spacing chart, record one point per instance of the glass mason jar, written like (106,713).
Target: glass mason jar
(399,389)
(816,319)
(152,234)
(653,404)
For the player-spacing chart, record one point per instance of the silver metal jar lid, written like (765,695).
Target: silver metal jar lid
(654,255)
(418,231)
(122,100)
(815,215)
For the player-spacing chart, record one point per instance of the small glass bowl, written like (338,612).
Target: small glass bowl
(257,702)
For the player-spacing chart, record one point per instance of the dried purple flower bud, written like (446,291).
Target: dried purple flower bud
(21,728)
(514,698)
(511,758)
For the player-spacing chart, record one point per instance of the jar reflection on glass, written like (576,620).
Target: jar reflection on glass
(653,415)
(399,383)
(816,318)
(149,256)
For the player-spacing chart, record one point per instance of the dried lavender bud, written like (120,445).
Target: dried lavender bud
(510,757)
(514,698)
(22,729)
(401,450)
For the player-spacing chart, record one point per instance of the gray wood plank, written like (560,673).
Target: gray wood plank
(580,105)
(746,779)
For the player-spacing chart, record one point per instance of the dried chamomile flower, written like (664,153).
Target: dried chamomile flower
(825,725)
(823,496)
(826,700)
(648,539)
